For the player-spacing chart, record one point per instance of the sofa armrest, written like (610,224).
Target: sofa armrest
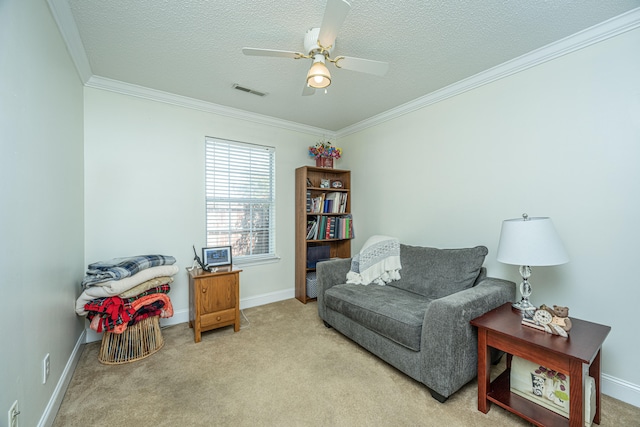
(330,273)
(449,342)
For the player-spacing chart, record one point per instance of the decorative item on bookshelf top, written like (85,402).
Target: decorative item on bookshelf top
(324,153)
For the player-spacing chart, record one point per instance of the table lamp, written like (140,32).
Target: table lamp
(529,242)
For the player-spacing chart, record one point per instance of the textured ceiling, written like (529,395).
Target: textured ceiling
(193,48)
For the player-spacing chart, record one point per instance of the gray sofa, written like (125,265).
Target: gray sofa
(420,323)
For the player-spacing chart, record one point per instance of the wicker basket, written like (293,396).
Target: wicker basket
(136,342)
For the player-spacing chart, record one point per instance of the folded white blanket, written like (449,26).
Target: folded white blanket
(116,287)
(378,262)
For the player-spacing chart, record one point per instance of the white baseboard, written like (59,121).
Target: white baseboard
(611,386)
(266,298)
(49,414)
(620,389)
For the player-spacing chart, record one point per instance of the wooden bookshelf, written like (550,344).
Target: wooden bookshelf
(308,187)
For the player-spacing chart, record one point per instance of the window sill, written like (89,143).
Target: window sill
(256,261)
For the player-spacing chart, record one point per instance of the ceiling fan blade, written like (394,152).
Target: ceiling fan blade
(334,15)
(251,51)
(362,65)
(308,90)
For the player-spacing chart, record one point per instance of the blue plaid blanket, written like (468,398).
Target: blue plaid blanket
(119,268)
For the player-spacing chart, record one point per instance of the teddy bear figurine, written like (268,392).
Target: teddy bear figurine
(560,323)
(561,317)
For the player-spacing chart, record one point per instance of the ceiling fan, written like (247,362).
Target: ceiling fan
(319,44)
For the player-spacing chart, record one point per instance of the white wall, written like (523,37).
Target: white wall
(144,187)
(560,140)
(41,206)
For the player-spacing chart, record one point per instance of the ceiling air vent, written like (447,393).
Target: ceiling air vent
(246,89)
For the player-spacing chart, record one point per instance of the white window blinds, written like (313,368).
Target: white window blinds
(240,198)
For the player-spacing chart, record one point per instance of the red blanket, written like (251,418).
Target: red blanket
(113,314)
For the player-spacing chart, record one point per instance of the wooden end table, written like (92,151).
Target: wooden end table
(572,356)
(214,300)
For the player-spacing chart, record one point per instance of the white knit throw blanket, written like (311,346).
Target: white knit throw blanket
(378,262)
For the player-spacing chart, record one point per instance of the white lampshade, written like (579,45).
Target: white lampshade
(318,75)
(531,242)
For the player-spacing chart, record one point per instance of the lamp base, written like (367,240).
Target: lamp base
(525,306)
(525,289)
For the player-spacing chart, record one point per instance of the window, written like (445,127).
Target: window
(240,198)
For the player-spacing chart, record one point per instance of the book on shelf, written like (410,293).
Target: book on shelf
(332,202)
(318,229)
(330,227)
(312,229)
(310,226)
(317,204)
(343,202)
(349,229)
(322,228)
(328,205)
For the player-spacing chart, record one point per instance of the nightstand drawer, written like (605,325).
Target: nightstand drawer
(222,316)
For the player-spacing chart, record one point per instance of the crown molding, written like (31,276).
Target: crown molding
(599,32)
(61,12)
(196,104)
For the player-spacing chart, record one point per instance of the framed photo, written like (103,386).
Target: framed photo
(215,257)
(324,183)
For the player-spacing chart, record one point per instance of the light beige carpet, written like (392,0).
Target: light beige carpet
(283,368)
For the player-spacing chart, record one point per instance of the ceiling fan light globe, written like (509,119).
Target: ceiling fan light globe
(324,82)
(318,76)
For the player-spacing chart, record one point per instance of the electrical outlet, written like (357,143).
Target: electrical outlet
(46,369)
(12,415)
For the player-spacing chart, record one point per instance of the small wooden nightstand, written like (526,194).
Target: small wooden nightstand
(573,356)
(214,300)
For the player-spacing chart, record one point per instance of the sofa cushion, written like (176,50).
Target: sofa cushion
(390,312)
(436,273)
